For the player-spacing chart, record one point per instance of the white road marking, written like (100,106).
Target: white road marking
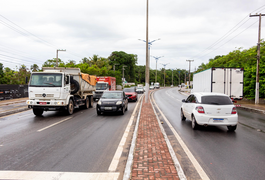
(195,163)
(114,163)
(54,124)
(172,96)
(44,175)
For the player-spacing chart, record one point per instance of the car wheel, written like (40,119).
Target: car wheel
(126,108)
(232,128)
(37,112)
(99,113)
(122,111)
(183,118)
(194,123)
(70,107)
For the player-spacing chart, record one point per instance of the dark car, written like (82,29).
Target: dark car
(112,101)
(131,93)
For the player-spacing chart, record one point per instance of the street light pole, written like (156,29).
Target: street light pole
(189,70)
(156,58)
(165,74)
(57,55)
(179,77)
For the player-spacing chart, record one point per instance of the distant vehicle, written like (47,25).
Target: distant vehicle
(104,83)
(140,90)
(151,87)
(221,80)
(131,93)
(112,101)
(215,109)
(157,86)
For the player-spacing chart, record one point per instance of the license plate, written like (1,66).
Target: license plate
(43,102)
(108,108)
(218,119)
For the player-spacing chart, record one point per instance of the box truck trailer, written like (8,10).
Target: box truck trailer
(104,83)
(228,81)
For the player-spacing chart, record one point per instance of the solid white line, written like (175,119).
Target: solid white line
(129,163)
(170,148)
(44,175)
(185,148)
(114,163)
(54,124)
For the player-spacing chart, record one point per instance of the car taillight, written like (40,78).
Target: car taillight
(200,109)
(234,110)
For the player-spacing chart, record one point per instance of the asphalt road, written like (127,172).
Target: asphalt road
(82,142)
(221,154)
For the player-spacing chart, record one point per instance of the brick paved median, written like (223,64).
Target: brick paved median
(152,159)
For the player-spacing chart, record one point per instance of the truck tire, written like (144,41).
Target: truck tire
(38,112)
(87,103)
(74,85)
(91,101)
(70,107)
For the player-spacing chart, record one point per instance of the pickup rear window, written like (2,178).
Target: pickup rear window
(217,100)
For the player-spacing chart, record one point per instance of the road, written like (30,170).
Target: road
(221,154)
(82,142)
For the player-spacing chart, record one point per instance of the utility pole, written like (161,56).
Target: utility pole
(189,70)
(179,78)
(165,74)
(57,55)
(114,66)
(156,58)
(258,58)
(123,76)
(172,76)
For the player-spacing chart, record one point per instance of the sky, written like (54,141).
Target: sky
(31,31)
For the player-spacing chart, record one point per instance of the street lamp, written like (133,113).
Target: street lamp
(165,73)
(148,45)
(57,55)
(156,58)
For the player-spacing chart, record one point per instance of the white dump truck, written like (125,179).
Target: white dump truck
(228,81)
(60,89)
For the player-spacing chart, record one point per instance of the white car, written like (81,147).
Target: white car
(213,109)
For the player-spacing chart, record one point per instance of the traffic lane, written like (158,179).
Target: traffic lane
(84,143)
(222,154)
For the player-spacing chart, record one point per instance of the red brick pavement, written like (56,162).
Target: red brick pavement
(152,159)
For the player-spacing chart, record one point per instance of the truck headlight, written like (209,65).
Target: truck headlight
(118,102)
(29,102)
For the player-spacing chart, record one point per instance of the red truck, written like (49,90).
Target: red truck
(104,83)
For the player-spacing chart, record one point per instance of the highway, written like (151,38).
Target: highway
(220,153)
(82,142)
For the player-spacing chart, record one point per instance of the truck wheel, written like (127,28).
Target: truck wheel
(37,112)
(70,107)
(87,103)
(91,101)
(74,86)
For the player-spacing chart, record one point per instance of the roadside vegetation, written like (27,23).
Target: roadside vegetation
(101,66)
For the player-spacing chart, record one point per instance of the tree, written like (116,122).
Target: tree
(34,68)
(52,63)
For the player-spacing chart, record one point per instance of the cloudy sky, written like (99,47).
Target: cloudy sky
(32,30)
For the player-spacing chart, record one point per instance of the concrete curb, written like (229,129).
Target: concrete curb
(13,111)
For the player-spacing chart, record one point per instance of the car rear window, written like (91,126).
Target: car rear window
(217,100)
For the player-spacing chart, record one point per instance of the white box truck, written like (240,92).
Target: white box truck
(57,89)
(222,80)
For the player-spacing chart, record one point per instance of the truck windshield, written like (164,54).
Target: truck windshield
(45,80)
(101,86)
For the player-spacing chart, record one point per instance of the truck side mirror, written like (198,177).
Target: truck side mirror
(67,79)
